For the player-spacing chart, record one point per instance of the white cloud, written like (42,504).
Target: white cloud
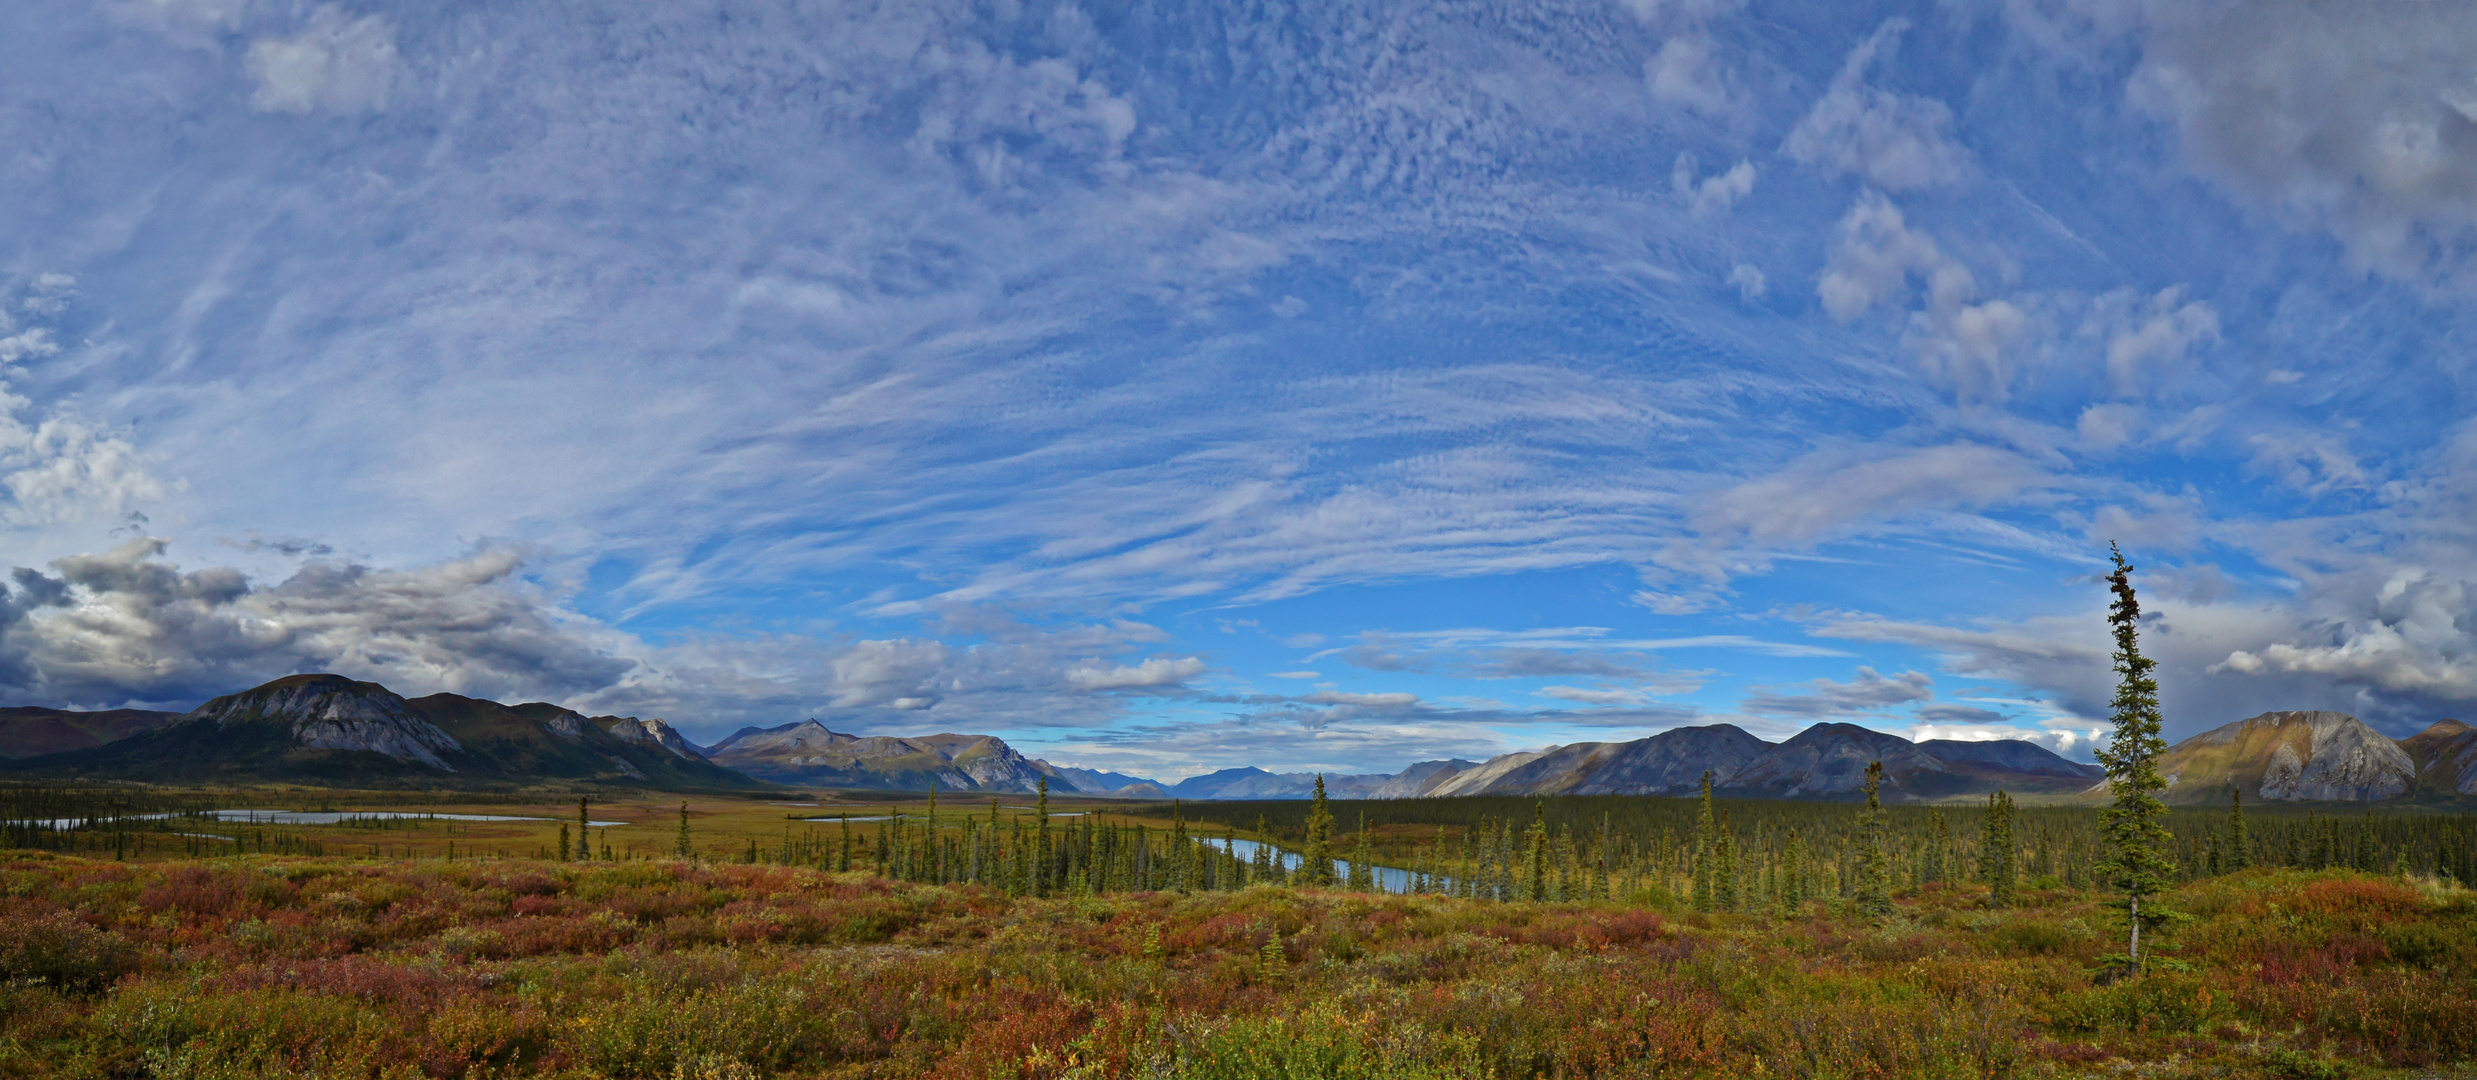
(1373,701)
(1298,675)
(1157,671)
(1830,492)
(336,64)
(1824,698)
(1750,282)
(2412,641)
(1685,73)
(1893,141)
(2313,462)
(2354,120)
(1594,697)
(1711,194)
(1874,253)
(2146,335)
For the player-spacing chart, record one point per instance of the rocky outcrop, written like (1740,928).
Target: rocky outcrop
(655,733)
(2289,757)
(809,753)
(1420,778)
(2446,757)
(330,712)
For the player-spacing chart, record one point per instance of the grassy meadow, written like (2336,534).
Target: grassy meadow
(439,948)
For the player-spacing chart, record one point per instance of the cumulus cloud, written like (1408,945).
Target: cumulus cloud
(57,466)
(1825,698)
(2146,335)
(1157,671)
(2356,120)
(336,64)
(1873,256)
(1707,195)
(1893,141)
(1685,73)
(2413,641)
(130,626)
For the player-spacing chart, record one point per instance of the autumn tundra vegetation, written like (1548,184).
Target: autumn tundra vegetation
(159,932)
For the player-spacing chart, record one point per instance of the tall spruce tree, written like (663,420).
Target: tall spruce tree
(681,847)
(1706,834)
(2240,845)
(2134,824)
(2003,873)
(584,843)
(1040,841)
(1318,869)
(1874,886)
(1536,848)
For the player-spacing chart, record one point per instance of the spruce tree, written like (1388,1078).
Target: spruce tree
(681,847)
(1706,834)
(1536,848)
(1317,871)
(2003,874)
(2134,825)
(1362,859)
(2240,845)
(1874,891)
(584,843)
(1040,842)
(565,851)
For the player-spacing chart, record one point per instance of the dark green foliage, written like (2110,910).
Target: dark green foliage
(2140,860)
(1874,887)
(1317,870)
(1997,852)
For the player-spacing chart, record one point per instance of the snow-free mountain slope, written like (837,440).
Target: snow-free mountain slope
(2446,758)
(27,731)
(333,730)
(2289,757)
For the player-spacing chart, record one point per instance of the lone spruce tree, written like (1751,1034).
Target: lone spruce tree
(1997,862)
(1706,832)
(1318,869)
(681,847)
(1874,869)
(2240,846)
(1040,842)
(2134,825)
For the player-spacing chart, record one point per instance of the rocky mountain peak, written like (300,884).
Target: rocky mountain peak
(331,712)
(2290,756)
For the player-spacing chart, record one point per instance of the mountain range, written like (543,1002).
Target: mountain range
(331,729)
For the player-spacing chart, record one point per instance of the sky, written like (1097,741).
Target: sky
(1167,387)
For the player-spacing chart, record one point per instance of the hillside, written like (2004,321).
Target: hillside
(28,731)
(807,753)
(1825,761)
(332,730)
(2446,757)
(2289,757)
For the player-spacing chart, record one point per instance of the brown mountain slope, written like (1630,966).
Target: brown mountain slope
(2446,757)
(2288,757)
(26,731)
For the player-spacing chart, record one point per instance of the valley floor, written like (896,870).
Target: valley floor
(273,966)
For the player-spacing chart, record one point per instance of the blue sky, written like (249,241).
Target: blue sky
(1166,387)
